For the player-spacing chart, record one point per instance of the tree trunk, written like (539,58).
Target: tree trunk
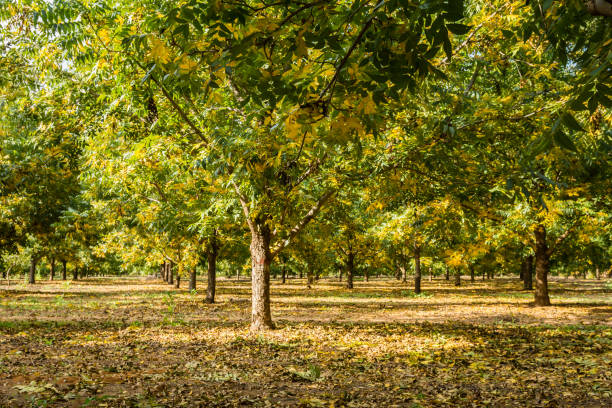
(599,7)
(447,274)
(52,274)
(403,273)
(261,318)
(542,260)
(192,279)
(63,270)
(212,270)
(417,270)
(178,281)
(75,273)
(472,276)
(162,271)
(430,274)
(309,278)
(301,274)
(528,273)
(597,272)
(32,275)
(350,268)
(238,274)
(366,275)
(284,275)
(458,277)
(171,273)
(340,271)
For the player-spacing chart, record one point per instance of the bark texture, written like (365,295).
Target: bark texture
(542,259)
(261,317)
(527,272)
(32,274)
(192,279)
(211,257)
(350,269)
(417,270)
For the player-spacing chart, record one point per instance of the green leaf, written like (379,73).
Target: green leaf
(562,140)
(570,122)
(458,28)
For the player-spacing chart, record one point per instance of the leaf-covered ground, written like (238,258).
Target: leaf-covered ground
(137,342)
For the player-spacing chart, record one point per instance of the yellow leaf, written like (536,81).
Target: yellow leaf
(158,52)
(187,65)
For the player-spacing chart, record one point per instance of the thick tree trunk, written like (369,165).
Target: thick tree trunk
(472,275)
(309,278)
(212,270)
(430,274)
(599,7)
(75,273)
(447,276)
(171,273)
(52,274)
(261,318)
(192,279)
(542,260)
(458,277)
(178,281)
(340,272)
(597,272)
(417,270)
(350,269)
(63,270)
(284,275)
(403,274)
(527,272)
(162,271)
(366,275)
(32,275)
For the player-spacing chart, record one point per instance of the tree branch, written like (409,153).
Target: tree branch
(314,210)
(245,207)
(176,106)
(332,83)
(562,237)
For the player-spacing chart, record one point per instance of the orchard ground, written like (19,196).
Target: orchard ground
(137,342)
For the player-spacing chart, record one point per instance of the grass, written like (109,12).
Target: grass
(132,342)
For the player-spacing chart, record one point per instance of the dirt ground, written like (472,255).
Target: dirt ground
(139,343)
